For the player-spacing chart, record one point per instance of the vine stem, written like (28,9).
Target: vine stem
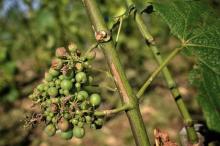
(191,132)
(124,88)
(157,71)
(113,111)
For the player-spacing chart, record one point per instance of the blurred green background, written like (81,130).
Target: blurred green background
(31,30)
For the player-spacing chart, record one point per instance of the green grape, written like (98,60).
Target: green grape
(57,63)
(52,91)
(86,64)
(90,79)
(61,91)
(44,94)
(81,77)
(84,94)
(80,97)
(84,106)
(91,55)
(99,122)
(50,114)
(78,132)
(82,119)
(50,130)
(95,99)
(93,126)
(66,84)
(48,77)
(80,124)
(88,119)
(57,82)
(48,118)
(51,84)
(72,47)
(40,87)
(66,135)
(48,101)
(54,119)
(63,125)
(78,86)
(69,75)
(74,121)
(66,92)
(66,116)
(61,77)
(53,72)
(55,100)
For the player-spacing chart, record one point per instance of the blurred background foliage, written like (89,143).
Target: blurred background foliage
(30,30)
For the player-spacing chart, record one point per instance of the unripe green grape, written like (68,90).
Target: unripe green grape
(95,99)
(55,100)
(48,118)
(66,116)
(78,86)
(86,64)
(51,84)
(93,126)
(50,114)
(50,130)
(66,135)
(77,116)
(48,101)
(69,75)
(78,132)
(44,94)
(53,72)
(74,121)
(91,55)
(90,80)
(84,106)
(80,124)
(63,125)
(40,87)
(80,97)
(88,119)
(54,119)
(66,84)
(83,93)
(48,77)
(66,92)
(61,91)
(57,82)
(57,63)
(99,122)
(52,91)
(61,77)
(31,97)
(81,77)
(82,119)
(72,47)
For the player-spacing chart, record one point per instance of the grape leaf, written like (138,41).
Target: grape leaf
(198,28)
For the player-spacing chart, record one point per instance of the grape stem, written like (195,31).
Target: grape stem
(125,107)
(91,48)
(157,71)
(193,138)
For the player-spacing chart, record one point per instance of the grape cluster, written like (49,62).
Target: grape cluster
(66,105)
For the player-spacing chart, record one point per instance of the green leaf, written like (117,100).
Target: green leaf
(198,28)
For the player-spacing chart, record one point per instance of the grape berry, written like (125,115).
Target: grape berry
(66,105)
